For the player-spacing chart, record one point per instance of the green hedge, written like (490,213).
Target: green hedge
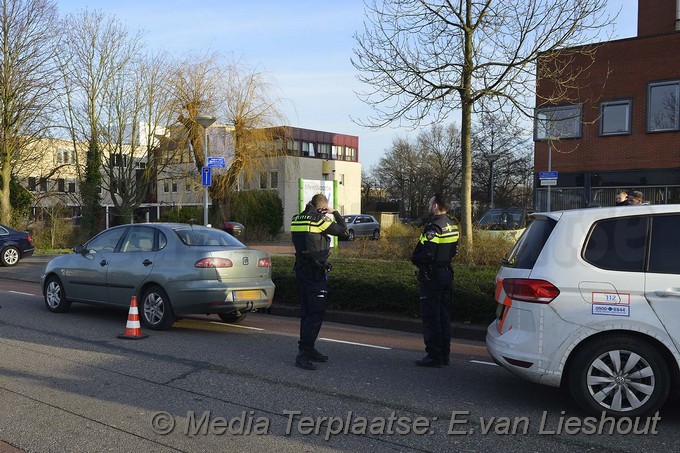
(380,286)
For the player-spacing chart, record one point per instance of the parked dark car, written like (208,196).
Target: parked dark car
(233,228)
(173,269)
(14,245)
(362,225)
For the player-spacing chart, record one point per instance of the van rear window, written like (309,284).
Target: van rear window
(525,252)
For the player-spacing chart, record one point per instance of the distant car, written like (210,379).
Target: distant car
(173,269)
(359,225)
(508,223)
(233,228)
(14,246)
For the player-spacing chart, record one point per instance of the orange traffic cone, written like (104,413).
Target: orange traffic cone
(133,330)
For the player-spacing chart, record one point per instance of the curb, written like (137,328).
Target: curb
(474,332)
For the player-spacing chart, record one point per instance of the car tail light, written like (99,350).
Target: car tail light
(29,239)
(529,290)
(264,262)
(213,263)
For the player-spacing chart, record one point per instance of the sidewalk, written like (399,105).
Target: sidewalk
(30,269)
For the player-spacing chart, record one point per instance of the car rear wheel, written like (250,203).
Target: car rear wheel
(55,296)
(619,374)
(376,234)
(155,310)
(350,235)
(234,317)
(10,256)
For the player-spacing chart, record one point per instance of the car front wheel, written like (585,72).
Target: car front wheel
(10,256)
(621,375)
(55,296)
(376,234)
(155,309)
(234,317)
(350,235)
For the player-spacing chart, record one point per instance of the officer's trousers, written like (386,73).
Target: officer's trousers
(436,297)
(312,295)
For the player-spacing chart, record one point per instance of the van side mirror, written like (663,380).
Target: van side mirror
(78,249)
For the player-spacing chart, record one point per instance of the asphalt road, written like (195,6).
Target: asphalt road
(67,383)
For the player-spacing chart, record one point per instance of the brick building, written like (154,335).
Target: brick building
(621,125)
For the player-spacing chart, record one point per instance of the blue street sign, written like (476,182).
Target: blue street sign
(216,162)
(206,176)
(547,175)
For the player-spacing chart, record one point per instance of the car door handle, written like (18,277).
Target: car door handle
(103,263)
(668,293)
(146,262)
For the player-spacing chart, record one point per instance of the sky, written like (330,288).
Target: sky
(303,46)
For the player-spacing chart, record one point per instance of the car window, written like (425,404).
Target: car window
(206,236)
(618,244)
(138,239)
(525,252)
(105,241)
(664,252)
(3,231)
(162,240)
(349,218)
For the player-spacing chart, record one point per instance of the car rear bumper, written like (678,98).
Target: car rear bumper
(209,296)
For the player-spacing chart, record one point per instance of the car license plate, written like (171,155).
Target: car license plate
(247,294)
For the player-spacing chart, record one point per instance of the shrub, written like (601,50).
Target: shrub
(382,286)
(260,212)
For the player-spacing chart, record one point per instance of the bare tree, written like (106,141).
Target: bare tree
(425,59)
(96,54)
(243,100)
(137,109)
(28,76)
(495,135)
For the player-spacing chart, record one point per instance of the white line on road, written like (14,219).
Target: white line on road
(355,344)
(235,325)
(483,363)
(23,294)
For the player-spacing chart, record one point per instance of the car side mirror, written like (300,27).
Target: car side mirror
(78,249)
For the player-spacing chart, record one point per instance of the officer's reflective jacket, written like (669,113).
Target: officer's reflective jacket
(310,230)
(438,242)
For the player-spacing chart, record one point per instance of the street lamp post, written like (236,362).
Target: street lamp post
(549,168)
(205,121)
(493,157)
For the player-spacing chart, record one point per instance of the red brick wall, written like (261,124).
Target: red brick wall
(655,16)
(621,70)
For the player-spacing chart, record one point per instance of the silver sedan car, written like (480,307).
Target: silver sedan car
(172,269)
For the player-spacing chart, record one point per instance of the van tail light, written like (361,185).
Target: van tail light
(264,262)
(530,290)
(207,263)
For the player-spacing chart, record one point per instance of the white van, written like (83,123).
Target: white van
(590,299)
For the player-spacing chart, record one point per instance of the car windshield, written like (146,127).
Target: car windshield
(349,218)
(502,219)
(206,236)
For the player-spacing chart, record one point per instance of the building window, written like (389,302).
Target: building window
(558,122)
(350,154)
(295,147)
(336,152)
(43,184)
(65,156)
(166,187)
(662,111)
(31,184)
(263,180)
(615,117)
(72,187)
(308,149)
(274,180)
(324,150)
(174,187)
(61,185)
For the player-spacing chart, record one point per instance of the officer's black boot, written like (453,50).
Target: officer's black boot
(302,361)
(429,362)
(316,356)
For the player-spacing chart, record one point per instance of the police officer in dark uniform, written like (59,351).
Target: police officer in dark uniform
(310,230)
(433,254)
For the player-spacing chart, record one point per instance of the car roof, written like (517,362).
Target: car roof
(611,211)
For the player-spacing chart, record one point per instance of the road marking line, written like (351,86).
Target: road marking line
(355,344)
(234,325)
(483,363)
(23,294)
